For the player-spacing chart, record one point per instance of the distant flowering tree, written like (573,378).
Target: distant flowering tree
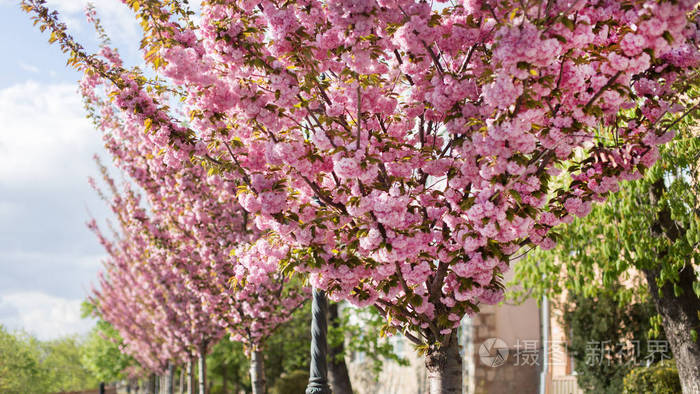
(201,230)
(158,317)
(209,240)
(409,150)
(167,313)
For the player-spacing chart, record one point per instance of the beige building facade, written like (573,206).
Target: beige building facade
(505,349)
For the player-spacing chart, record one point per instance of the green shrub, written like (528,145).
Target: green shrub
(600,320)
(659,378)
(294,382)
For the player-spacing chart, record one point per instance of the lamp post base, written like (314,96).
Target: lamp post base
(318,390)
(318,374)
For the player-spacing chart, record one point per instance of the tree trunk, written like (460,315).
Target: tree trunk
(182,380)
(257,372)
(338,375)
(151,384)
(202,368)
(169,379)
(679,315)
(190,377)
(444,366)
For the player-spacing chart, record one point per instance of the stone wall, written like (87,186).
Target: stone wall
(501,364)
(501,354)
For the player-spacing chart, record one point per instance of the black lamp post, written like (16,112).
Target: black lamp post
(318,373)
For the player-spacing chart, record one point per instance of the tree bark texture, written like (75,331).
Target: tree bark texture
(338,375)
(444,366)
(257,372)
(678,316)
(202,368)
(151,384)
(190,377)
(169,379)
(224,379)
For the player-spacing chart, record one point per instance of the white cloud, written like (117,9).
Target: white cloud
(44,133)
(116,17)
(46,316)
(67,275)
(29,67)
(47,256)
(118,20)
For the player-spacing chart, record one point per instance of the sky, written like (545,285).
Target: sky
(48,257)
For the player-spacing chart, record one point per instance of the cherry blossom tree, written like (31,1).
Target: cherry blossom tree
(181,315)
(207,234)
(209,240)
(406,152)
(159,318)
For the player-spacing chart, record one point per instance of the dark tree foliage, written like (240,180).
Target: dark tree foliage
(228,368)
(287,350)
(608,339)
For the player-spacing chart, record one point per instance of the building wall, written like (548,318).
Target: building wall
(512,330)
(518,327)
(561,378)
(515,325)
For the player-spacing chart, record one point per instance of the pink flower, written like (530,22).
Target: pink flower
(502,93)
(272,201)
(347,168)
(618,62)
(632,44)
(372,240)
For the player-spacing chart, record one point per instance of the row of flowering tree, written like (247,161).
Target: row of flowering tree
(160,321)
(200,246)
(164,315)
(405,151)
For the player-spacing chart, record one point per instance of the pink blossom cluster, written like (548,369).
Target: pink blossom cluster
(157,316)
(404,154)
(192,227)
(415,160)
